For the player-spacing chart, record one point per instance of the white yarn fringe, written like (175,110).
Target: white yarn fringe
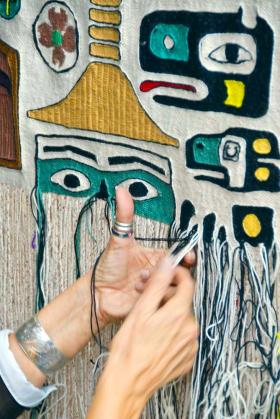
(233,377)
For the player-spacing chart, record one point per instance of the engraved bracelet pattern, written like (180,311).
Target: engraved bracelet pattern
(39,348)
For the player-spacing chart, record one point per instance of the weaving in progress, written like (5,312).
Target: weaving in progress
(176,101)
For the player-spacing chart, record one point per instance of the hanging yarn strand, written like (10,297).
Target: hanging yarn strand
(236,374)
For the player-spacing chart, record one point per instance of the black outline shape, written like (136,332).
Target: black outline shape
(209,223)
(258,83)
(35,36)
(265,216)
(131,159)
(75,150)
(186,213)
(250,183)
(234,158)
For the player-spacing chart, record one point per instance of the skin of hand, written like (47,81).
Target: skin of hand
(124,267)
(122,275)
(157,343)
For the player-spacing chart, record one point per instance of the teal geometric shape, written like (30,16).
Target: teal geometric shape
(9,8)
(160,202)
(206,151)
(170,42)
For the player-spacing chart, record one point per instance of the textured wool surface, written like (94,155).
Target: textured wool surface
(177,101)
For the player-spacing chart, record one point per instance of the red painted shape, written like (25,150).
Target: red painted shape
(148,85)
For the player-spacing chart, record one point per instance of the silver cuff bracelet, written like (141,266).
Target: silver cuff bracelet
(39,348)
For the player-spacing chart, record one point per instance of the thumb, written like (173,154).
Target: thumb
(124,206)
(124,213)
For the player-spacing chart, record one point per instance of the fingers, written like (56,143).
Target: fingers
(143,279)
(184,291)
(156,287)
(190,259)
(125,206)
(145,275)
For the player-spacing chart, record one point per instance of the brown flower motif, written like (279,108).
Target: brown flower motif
(58,35)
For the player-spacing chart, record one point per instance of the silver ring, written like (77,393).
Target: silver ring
(122,230)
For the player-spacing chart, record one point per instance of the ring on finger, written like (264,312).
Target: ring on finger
(122,230)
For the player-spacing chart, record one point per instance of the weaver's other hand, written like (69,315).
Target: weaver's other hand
(124,267)
(156,343)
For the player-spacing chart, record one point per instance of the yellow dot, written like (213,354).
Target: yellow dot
(251,225)
(262,174)
(262,146)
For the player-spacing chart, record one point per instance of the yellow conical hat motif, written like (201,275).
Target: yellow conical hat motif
(103,100)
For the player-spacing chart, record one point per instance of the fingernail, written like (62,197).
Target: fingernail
(192,253)
(145,274)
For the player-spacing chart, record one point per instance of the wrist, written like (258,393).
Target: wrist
(29,369)
(129,389)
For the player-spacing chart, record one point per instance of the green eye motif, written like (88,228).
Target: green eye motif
(9,8)
(170,42)
(153,198)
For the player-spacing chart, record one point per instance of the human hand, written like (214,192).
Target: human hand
(158,341)
(124,267)
(156,344)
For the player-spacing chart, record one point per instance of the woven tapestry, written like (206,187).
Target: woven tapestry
(178,102)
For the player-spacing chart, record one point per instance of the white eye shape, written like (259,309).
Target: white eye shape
(71,180)
(139,189)
(168,42)
(231,53)
(234,53)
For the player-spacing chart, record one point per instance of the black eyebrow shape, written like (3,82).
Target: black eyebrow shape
(5,81)
(76,150)
(132,159)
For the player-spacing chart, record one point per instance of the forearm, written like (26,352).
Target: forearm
(67,321)
(116,395)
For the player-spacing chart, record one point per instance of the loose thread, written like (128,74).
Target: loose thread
(94,307)
(87,206)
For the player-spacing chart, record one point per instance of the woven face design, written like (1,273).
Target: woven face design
(90,168)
